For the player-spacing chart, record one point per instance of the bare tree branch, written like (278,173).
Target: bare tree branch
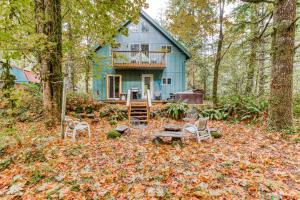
(265,28)
(226,50)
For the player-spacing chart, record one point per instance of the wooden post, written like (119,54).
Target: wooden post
(63,108)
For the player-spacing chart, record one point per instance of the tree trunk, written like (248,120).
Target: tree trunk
(281,88)
(70,64)
(87,77)
(48,23)
(252,58)
(219,56)
(262,76)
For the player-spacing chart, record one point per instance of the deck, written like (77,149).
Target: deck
(139,100)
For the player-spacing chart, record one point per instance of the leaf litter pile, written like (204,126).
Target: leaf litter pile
(246,162)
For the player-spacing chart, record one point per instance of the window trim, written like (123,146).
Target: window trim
(166,78)
(143,23)
(137,30)
(166,47)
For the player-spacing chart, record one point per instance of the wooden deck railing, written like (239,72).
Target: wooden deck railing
(139,59)
(149,105)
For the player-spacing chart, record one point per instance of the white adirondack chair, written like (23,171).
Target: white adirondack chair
(199,129)
(73,126)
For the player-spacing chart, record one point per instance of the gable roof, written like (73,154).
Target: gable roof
(22,75)
(166,34)
(161,30)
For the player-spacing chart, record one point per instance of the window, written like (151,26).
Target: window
(134,28)
(145,27)
(167,48)
(167,81)
(134,48)
(145,53)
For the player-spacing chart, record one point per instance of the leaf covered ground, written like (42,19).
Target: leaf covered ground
(245,163)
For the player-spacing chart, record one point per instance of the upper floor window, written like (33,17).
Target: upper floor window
(167,48)
(167,81)
(134,28)
(145,27)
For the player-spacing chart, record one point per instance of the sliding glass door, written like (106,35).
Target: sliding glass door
(113,86)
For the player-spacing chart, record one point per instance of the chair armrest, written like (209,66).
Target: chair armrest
(84,123)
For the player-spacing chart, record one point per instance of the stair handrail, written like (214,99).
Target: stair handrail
(149,98)
(128,98)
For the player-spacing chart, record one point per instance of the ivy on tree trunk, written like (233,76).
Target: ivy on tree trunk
(48,23)
(281,88)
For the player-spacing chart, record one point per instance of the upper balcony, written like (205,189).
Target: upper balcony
(139,59)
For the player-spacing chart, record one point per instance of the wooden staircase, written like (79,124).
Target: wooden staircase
(139,111)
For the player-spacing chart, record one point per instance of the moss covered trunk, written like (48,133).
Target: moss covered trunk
(281,88)
(48,25)
(219,52)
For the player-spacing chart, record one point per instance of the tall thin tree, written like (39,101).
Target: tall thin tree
(219,51)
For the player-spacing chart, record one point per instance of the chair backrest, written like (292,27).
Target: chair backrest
(70,123)
(201,123)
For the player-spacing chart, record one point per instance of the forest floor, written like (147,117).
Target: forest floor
(245,163)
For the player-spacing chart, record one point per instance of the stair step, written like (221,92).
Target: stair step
(144,106)
(138,121)
(139,111)
(139,117)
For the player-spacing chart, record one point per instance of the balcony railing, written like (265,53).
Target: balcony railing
(139,59)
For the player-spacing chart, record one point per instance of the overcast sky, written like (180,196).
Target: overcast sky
(156,7)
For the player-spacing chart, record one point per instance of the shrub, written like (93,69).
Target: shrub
(5,164)
(34,155)
(216,134)
(80,102)
(78,109)
(113,122)
(88,109)
(113,134)
(238,108)
(113,113)
(296,106)
(176,110)
(24,104)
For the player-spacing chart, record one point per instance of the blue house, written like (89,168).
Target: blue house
(148,58)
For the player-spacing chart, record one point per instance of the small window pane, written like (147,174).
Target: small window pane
(164,81)
(145,27)
(134,28)
(169,81)
(167,48)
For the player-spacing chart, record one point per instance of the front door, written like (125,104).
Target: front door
(113,86)
(147,84)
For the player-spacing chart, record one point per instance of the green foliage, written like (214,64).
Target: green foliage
(113,122)
(36,177)
(7,77)
(215,114)
(78,110)
(3,150)
(113,134)
(238,108)
(296,106)
(176,110)
(5,164)
(23,104)
(34,155)
(216,134)
(113,113)
(88,109)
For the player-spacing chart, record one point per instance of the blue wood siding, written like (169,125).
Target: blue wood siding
(175,64)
